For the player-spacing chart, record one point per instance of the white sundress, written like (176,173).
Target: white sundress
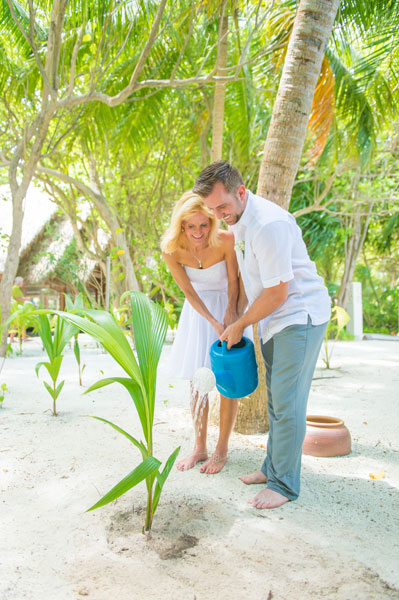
(195,334)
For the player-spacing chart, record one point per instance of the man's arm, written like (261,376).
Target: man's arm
(242,297)
(232,277)
(269,300)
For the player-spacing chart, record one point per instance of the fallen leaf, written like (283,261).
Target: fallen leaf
(379,475)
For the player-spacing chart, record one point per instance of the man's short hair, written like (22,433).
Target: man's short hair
(19,280)
(219,171)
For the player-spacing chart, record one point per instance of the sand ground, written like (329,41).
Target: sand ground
(339,540)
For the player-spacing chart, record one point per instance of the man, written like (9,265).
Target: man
(292,306)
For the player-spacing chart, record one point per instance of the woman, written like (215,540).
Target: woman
(202,261)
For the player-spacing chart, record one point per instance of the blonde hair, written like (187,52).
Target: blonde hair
(189,204)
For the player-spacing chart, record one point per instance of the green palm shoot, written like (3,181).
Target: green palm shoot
(54,343)
(75,305)
(150,322)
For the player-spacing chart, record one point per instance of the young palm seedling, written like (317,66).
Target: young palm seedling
(54,344)
(150,323)
(75,305)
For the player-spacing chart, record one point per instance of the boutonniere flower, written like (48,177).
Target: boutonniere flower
(240,246)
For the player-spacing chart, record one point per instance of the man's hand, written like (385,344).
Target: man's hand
(232,334)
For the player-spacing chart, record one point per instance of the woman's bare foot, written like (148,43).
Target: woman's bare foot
(188,463)
(214,465)
(257,477)
(268,499)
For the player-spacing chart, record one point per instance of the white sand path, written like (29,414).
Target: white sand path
(339,540)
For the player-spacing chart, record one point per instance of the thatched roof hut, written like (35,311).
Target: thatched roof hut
(50,262)
(38,209)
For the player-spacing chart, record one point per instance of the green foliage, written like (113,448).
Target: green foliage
(380,301)
(161,287)
(149,149)
(149,326)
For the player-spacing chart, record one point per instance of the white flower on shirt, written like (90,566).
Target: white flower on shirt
(240,246)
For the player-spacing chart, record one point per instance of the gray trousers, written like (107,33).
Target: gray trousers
(290,357)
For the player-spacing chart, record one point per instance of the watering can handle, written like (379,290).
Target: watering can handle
(224,348)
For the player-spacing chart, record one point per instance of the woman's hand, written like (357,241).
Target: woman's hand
(219,328)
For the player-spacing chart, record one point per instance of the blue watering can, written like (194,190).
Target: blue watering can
(235,370)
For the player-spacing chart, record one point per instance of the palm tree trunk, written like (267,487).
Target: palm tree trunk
(286,135)
(252,415)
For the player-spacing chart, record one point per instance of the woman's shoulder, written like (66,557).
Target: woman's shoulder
(174,257)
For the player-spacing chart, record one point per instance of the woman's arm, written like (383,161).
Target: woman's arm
(232,277)
(180,277)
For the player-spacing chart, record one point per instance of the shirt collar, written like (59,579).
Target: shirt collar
(245,217)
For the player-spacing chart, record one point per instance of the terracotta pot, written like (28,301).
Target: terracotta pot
(326,436)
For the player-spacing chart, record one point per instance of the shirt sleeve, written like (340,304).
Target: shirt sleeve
(272,246)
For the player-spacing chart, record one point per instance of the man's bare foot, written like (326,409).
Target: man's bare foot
(188,463)
(268,499)
(257,477)
(214,465)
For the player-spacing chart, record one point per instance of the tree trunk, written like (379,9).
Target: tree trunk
(252,415)
(286,135)
(359,226)
(11,265)
(220,87)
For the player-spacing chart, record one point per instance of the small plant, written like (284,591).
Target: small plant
(20,319)
(73,305)
(150,324)
(339,319)
(54,344)
(3,390)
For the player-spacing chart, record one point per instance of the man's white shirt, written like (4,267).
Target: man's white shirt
(270,249)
